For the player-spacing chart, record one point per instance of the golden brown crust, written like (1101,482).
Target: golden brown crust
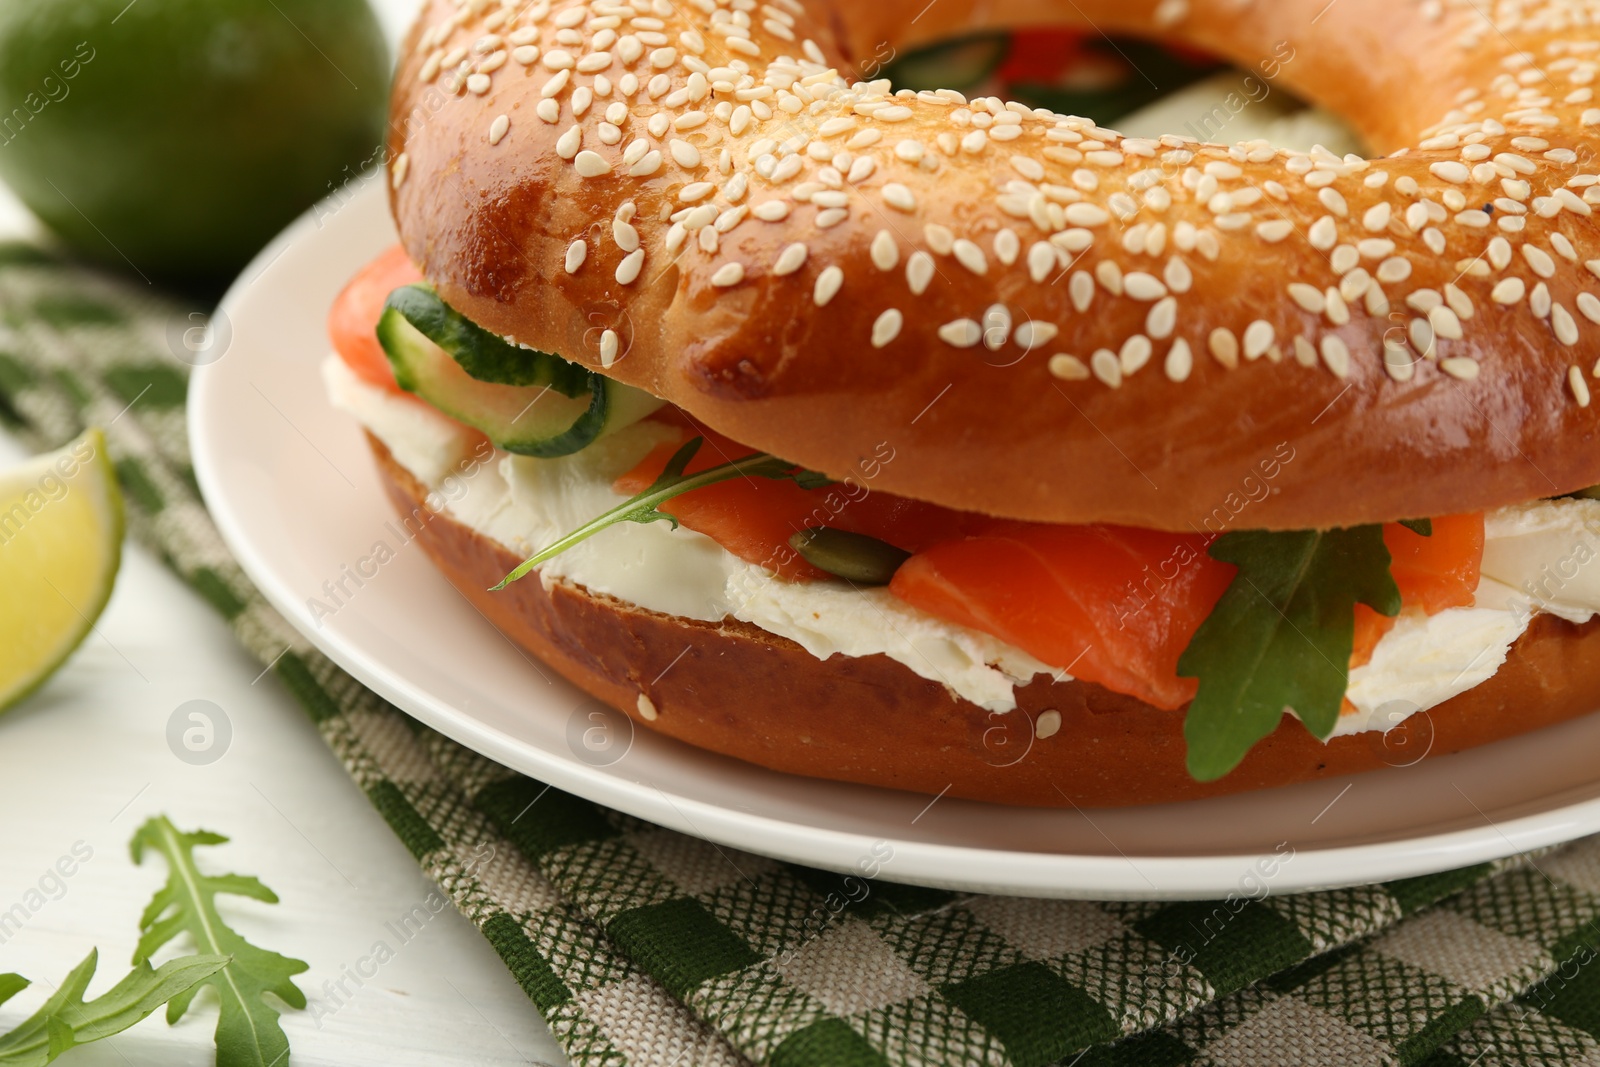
(736,689)
(1480,241)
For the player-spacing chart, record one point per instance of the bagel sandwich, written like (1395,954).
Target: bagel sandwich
(958,446)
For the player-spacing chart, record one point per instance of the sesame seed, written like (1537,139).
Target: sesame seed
(1324,233)
(996,327)
(628,270)
(1258,337)
(625,235)
(771,211)
(1068,368)
(885,253)
(919,272)
(1178,276)
(498,129)
(961,333)
(684,154)
(1107,367)
(939,238)
(971,256)
(577,252)
(1041,260)
(886,328)
(1460,368)
(1083,214)
(1143,287)
(1589,307)
(1520,164)
(648,164)
(790,259)
(1337,311)
(1450,171)
(568,143)
(1395,269)
(1274,231)
(402,167)
(1007,246)
(828,285)
(694,192)
(1180,361)
(1334,201)
(1445,323)
(1336,355)
(1580,388)
(1420,331)
(1539,260)
(1508,291)
(557,83)
(729,274)
(1499,253)
(1224,347)
(1539,301)
(1398,361)
(1080,287)
(1163,318)
(1031,334)
(590,164)
(899,197)
(1562,322)
(1309,297)
(1136,352)
(1424,300)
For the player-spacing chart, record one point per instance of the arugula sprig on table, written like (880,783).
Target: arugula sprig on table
(66,1020)
(1281,636)
(248,1034)
(672,482)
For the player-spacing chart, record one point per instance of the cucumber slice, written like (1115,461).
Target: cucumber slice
(543,419)
(485,356)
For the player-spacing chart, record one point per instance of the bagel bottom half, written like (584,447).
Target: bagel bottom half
(734,688)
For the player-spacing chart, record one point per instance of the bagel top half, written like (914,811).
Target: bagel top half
(711,200)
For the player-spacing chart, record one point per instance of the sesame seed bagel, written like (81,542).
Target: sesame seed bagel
(738,690)
(1047,320)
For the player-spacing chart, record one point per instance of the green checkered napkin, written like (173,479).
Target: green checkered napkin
(644,947)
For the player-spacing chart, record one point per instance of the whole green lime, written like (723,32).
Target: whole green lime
(176,137)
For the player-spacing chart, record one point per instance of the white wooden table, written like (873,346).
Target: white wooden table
(85,760)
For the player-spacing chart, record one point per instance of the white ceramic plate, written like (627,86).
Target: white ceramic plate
(292,488)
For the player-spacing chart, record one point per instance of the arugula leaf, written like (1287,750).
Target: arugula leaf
(1422,527)
(248,1034)
(644,508)
(66,1021)
(1280,637)
(11,985)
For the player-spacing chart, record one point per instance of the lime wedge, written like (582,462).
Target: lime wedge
(60,547)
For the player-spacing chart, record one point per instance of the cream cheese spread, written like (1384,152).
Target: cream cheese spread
(1537,557)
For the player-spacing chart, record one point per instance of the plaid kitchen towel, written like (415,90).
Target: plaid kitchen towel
(644,947)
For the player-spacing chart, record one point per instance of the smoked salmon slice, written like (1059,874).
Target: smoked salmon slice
(1107,604)
(754,517)
(1434,573)
(353,319)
